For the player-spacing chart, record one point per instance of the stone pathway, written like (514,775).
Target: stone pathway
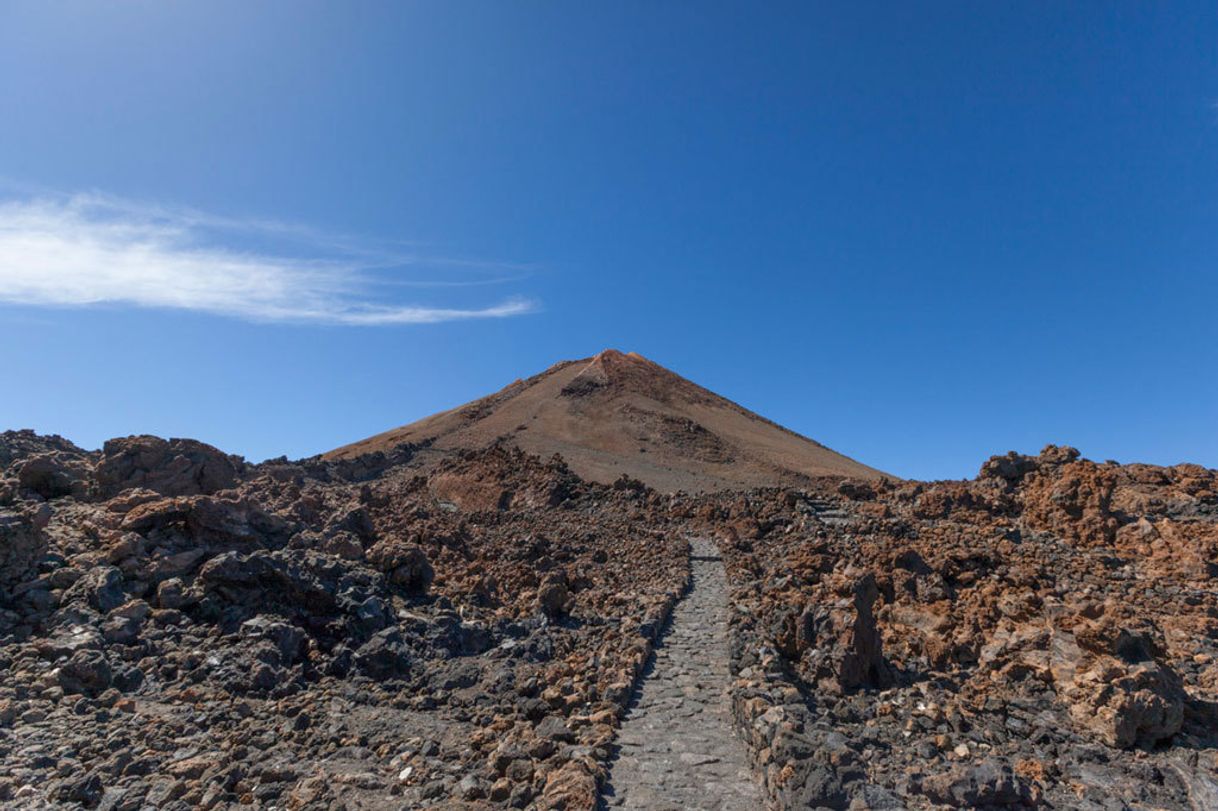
(677,747)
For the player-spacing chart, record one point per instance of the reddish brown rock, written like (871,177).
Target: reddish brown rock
(174,467)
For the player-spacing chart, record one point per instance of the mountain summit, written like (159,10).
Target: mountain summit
(620,413)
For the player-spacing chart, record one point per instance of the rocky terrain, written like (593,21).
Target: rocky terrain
(179,629)
(416,627)
(1042,636)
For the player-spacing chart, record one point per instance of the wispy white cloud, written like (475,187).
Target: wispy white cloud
(94,250)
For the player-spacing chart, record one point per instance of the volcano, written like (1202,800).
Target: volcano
(621,414)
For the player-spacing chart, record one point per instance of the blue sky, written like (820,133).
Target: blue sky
(919,235)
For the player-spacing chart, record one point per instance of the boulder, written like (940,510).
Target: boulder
(406,564)
(1010,468)
(287,639)
(101,588)
(86,672)
(384,656)
(1074,502)
(22,543)
(295,579)
(842,640)
(554,598)
(124,624)
(174,467)
(1116,689)
(214,520)
(856,490)
(233,521)
(172,594)
(571,787)
(55,474)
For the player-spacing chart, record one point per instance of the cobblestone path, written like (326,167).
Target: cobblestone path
(677,747)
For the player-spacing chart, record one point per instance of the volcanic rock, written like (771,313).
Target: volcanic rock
(22,542)
(175,467)
(55,474)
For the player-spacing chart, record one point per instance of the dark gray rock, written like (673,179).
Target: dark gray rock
(384,656)
(87,672)
(22,543)
(100,588)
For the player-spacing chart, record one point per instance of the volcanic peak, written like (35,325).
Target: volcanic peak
(619,413)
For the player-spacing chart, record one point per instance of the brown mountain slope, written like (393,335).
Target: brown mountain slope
(617,414)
